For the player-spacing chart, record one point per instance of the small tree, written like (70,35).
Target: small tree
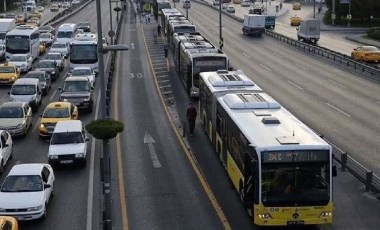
(105,129)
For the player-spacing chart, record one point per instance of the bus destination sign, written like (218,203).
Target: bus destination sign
(294,156)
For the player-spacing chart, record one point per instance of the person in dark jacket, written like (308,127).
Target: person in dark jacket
(191,115)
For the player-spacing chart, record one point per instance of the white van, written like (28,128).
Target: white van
(29,5)
(68,144)
(66,32)
(27,90)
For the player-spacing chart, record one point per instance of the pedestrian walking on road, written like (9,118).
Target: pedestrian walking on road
(148,18)
(191,115)
(159,29)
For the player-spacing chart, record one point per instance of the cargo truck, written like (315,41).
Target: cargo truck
(254,24)
(309,31)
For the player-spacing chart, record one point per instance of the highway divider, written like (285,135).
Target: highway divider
(366,176)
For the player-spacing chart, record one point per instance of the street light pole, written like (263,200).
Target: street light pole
(349,13)
(314,10)
(111,21)
(333,13)
(220,26)
(5,5)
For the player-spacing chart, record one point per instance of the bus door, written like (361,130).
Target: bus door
(250,175)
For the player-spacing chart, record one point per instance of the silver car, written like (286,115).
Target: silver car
(84,72)
(16,118)
(58,57)
(60,47)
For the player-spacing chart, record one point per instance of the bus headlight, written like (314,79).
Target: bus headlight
(264,216)
(325,214)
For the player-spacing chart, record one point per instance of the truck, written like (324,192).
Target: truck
(309,31)
(6,25)
(254,24)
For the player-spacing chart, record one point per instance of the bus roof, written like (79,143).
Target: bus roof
(168,11)
(267,125)
(226,81)
(23,30)
(192,36)
(197,45)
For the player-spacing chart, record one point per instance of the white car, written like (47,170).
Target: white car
(68,144)
(58,58)
(84,72)
(6,149)
(60,47)
(46,38)
(26,191)
(245,3)
(23,61)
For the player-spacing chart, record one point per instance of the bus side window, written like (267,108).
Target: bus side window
(218,124)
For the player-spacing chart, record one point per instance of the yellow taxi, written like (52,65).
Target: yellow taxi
(8,223)
(42,48)
(20,19)
(295,20)
(54,112)
(297,6)
(366,53)
(9,73)
(35,14)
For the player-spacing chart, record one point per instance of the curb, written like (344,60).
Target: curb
(362,40)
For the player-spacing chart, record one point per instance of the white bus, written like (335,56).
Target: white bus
(180,26)
(83,51)
(21,40)
(197,57)
(66,32)
(281,168)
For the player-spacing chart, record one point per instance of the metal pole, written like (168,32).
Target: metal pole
(5,5)
(107,224)
(187,13)
(349,13)
(220,25)
(111,21)
(314,10)
(333,12)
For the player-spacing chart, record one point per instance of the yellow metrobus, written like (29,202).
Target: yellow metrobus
(281,169)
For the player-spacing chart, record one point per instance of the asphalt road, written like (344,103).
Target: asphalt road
(68,208)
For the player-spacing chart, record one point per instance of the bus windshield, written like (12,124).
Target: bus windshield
(65,34)
(290,184)
(17,44)
(207,64)
(83,54)
(184,29)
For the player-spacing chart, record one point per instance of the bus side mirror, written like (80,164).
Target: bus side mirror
(334,171)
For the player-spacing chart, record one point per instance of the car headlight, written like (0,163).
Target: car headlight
(87,98)
(79,155)
(53,72)
(326,214)
(39,207)
(52,157)
(14,77)
(264,216)
(42,126)
(19,126)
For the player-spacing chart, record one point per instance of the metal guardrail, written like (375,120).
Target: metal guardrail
(366,176)
(338,58)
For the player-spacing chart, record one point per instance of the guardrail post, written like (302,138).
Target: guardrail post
(343,159)
(368,180)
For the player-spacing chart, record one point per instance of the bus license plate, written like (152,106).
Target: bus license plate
(66,161)
(296,222)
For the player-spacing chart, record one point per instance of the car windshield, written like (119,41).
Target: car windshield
(18,58)
(22,183)
(58,45)
(53,56)
(45,64)
(23,90)
(56,113)
(65,34)
(81,72)
(39,76)
(7,69)
(76,86)
(45,35)
(67,138)
(11,112)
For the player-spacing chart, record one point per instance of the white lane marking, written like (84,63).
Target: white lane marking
(262,65)
(233,46)
(294,84)
(90,191)
(337,109)
(336,83)
(148,139)
(300,66)
(246,55)
(52,96)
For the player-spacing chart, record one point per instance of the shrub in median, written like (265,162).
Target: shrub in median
(374,33)
(105,129)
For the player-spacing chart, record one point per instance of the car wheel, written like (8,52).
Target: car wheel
(2,167)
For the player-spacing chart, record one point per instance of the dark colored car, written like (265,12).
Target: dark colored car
(2,53)
(44,78)
(85,26)
(78,90)
(50,66)
(47,29)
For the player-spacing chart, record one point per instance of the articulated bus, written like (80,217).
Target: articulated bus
(21,40)
(171,19)
(163,4)
(281,169)
(165,15)
(179,38)
(84,51)
(182,26)
(195,58)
